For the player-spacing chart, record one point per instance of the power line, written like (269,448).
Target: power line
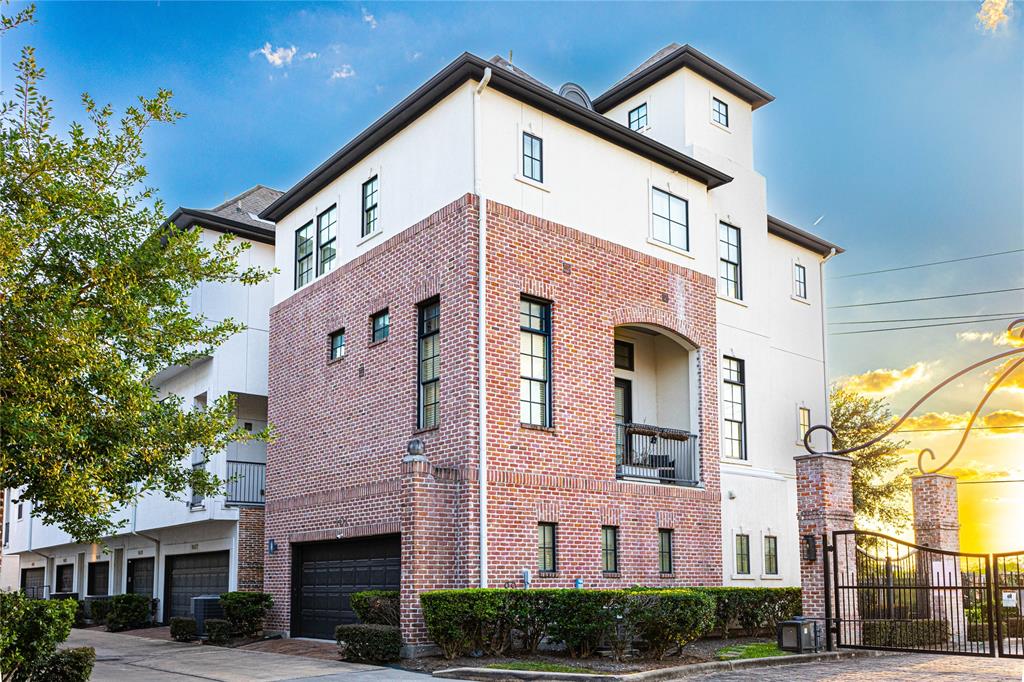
(918,326)
(994,480)
(926,319)
(925,265)
(926,298)
(959,428)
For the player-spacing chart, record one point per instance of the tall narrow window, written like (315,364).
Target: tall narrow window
(326,239)
(533,157)
(670,219)
(610,549)
(370,188)
(805,422)
(534,362)
(638,117)
(429,363)
(771,555)
(799,281)
(546,550)
(380,326)
(337,350)
(304,255)
(734,437)
(719,112)
(742,554)
(665,550)
(730,275)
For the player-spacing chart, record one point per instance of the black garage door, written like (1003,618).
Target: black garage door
(192,575)
(324,574)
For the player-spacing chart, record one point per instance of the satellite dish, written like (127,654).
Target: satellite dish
(576,95)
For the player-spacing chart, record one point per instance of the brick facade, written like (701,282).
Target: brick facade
(250,549)
(936,512)
(336,468)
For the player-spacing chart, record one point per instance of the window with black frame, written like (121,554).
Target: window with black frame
(670,219)
(369,216)
(304,255)
(742,554)
(547,554)
(609,549)
(380,326)
(429,363)
(533,157)
(719,112)
(337,348)
(624,354)
(730,274)
(534,362)
(771,555)
(799,281)
(326,239)
(665,550)
(734,437)
(638,117)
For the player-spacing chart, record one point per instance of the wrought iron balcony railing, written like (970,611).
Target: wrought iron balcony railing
(246,482)
(654,454)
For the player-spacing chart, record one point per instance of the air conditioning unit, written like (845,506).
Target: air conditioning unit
(204,607)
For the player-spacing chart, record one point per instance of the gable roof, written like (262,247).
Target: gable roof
(792,233)
(670,59)
(512,83)
(238,215)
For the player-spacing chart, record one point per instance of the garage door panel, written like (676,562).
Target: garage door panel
(192,575)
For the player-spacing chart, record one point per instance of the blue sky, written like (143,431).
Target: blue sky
(900,122)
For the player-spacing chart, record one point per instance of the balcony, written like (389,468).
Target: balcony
(653,454)
(245,484)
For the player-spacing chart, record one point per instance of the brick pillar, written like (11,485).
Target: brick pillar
(250,549)
(937,525)
(824,504)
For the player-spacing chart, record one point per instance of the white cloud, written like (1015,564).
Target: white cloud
(415,56)
(277,57)
(369,18)
(886,382)
(342,72)
(310,55)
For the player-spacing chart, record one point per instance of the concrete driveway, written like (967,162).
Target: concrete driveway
(895,668)
(120,658)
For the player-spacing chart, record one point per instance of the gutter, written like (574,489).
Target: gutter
(824,345)
(481,327)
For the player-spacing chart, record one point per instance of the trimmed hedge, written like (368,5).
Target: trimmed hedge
(128,611)
(30,630)
(68,665)
(368,643)
(218,631)
(183,629)
(376,607)
(98,610)
(978,632)
(246,611)
(754,609)
(904,633)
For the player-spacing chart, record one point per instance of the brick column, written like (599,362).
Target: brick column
(824,504)
(937,525)
(250,549)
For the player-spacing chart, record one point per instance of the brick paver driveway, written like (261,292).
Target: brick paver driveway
(895,668)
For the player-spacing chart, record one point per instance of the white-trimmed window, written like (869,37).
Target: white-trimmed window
(370,202)
(719,112)
(734,436)
(771,555)
(304,255)
(742,553)
(730,265)
(638,117)
(533,157)
(803,422)
(670,219)
(799,281)
(326,240)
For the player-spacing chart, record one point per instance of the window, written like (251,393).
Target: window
(304,255)
(337,345)
(742,554)
(624,355)
(665,550)
(429,363)
(546,552)
(730,282)
(380,326)
(98,573)
(609,549)
(370,206)
(326,239)
(197,499)
(805,422)
(21,509)
(734,438)
(670,219)
(65,578)
(799,281)
(638,117)
(534,362)
(719,112)
(771,555)
(533,157)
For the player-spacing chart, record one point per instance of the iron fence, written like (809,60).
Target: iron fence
(656,454)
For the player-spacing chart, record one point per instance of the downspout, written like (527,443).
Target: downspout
(824,344)
(481,324)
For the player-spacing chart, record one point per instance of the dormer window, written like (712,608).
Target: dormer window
(638,118)
(719,112)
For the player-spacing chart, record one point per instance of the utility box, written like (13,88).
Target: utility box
(205,607)
(799,636)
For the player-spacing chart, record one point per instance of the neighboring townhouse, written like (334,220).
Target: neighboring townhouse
(176,549)
(522,337)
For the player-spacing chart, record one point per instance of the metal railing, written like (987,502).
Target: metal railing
(655,454)
(246,482)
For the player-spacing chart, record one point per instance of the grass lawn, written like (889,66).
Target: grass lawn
(752,650)
(541,666)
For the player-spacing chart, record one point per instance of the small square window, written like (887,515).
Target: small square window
(742,554)
(665,550)
(337,345)
(547,561)
(638,117)
(533,157)
(799,281)
(624,355)
(719,112)
(609,549)
(380,325)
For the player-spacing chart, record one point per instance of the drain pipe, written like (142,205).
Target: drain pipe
(481,327)
(824,344)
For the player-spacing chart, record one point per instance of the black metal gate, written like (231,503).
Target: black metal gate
(1008,590)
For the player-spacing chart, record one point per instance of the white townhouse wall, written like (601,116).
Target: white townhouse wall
(158,527)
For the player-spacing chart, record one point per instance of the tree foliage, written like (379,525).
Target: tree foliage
(94,301)
(881,481)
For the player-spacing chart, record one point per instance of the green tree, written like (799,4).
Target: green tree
(881,479)
(94,291)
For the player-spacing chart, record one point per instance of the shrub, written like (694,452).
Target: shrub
(673,618)
(246,611)
(183,629)
(68,665)
(448,615)
(128,611)
(98,610)
(369,643)
(30,630)
(218,631)
(752,608)
(376,607)
(904,633)
(580,619)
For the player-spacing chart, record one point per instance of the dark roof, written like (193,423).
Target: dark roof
(812,242)
(238,215)
(503,63)
(670,59)
(511,83)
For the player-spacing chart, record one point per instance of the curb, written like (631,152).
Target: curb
(658,675)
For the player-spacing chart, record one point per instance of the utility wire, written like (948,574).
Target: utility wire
(918,326)
(926,319)
(960,428)
(926,298)
(925,265)
(995,480)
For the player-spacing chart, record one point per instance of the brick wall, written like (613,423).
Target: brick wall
(250,549)
(936,511)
